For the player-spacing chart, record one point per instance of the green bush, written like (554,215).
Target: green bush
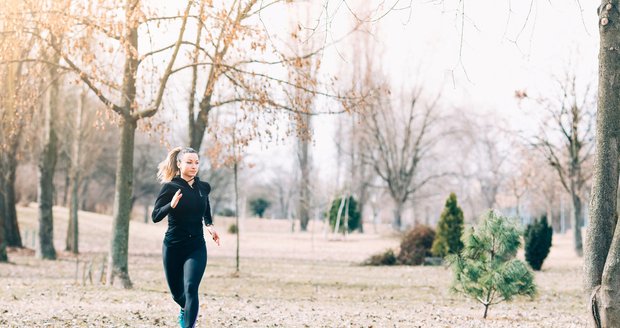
(449,229)
(226,212)
(486,270)
(386,258)
(259,205)
(354,214)
(416,245)
(537,242)
(233,229)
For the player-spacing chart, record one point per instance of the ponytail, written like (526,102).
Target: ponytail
(168,168)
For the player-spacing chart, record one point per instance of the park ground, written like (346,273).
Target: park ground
(286,279)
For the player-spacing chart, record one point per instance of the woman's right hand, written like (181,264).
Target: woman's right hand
(175,198)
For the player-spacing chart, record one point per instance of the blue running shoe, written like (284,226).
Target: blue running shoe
(182,318)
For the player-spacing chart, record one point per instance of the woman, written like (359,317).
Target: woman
(185,200)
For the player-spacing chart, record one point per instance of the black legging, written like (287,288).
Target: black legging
(184,267)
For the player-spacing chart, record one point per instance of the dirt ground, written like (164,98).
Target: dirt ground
(286,280)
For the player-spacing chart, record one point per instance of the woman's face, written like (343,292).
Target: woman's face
(189,165)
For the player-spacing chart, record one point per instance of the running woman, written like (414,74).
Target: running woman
(185,200)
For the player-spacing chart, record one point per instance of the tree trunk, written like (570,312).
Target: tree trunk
(84,192)
(73,230)
(7,181)
(363,195)
(12,234)
(47,166)
(236,182)
(577,223)
(199,126)
(147,212)
(65,194)
(9,229)
(119,245)
(121,212)
(235,169)
(347,204)
(303,205)
(74,181)
(3,256)
(339,214)
(601,267)
(398,212)
(195,140)
(69,238)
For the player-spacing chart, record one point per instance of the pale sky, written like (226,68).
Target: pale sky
(423,45)
(502,46)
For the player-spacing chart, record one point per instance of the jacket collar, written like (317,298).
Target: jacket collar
(178,179)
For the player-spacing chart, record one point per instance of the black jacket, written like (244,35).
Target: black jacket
(185,220)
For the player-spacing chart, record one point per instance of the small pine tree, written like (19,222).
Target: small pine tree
(449,229)
(259,205)
(486,270)
(537,242)
(354,214)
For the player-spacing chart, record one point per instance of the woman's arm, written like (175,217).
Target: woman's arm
(208,219)
(162,204)
(206,216)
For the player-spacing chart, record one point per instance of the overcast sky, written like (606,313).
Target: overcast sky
(476,60)
(501,46)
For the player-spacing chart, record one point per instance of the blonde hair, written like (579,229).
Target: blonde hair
(168,168)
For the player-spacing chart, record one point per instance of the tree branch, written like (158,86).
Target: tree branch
(142,57)
(85,78)
(160,93)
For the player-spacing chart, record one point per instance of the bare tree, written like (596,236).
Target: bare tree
(304,161)
(146,185)
(221,181)
(304,72)
(571,121)
(21,85)
(254,78)
(485,150)
(78,25)
(361,172)
(72,240)
(48,159)
(283,188)
(400,138)
(11,128)
(522,181)
(251,78)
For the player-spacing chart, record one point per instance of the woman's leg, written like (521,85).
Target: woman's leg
(173,268)
(193,270)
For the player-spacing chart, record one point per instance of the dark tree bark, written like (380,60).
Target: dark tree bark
(602,246)
(8,166)
(47,167)
(303,157)
(197,125)
(11,227)
(3,256)
(119,244)
(72,241)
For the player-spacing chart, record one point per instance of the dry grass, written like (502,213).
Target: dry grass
(287,280)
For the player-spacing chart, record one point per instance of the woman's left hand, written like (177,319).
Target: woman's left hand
(216,237)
